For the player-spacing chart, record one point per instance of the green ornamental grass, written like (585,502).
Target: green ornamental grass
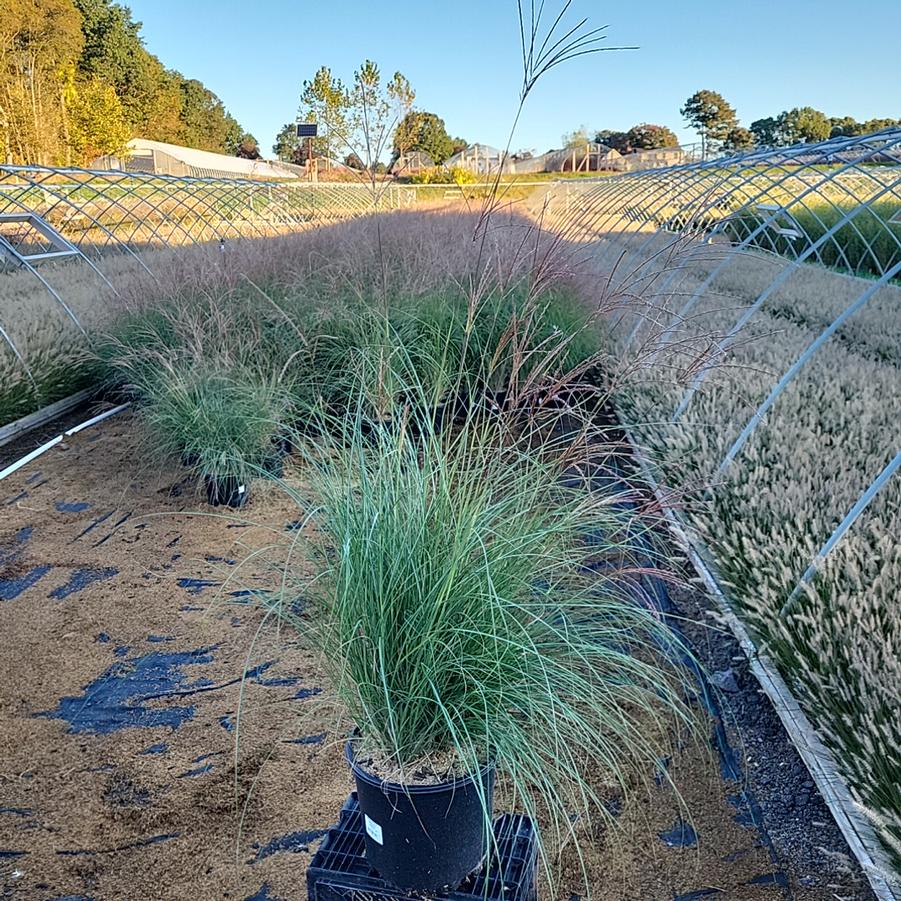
(223,422)
(452,610)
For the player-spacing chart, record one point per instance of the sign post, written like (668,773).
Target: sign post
(309,131)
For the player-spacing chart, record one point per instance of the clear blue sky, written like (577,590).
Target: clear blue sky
(462,57)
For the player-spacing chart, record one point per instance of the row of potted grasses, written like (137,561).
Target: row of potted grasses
(222,382)
(445,578)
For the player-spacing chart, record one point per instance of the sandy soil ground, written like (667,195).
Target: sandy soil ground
(127,623)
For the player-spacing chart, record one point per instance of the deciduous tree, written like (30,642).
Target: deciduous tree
(288,147)
(56,56)
(615,140)
(326,101)
(376,108)
(651,137)
(97,123)
(420,130)
(844,126)
(766,131)
(802,125)
(578,137)
(40,43)
(248,147)
(740,138)
(204,122)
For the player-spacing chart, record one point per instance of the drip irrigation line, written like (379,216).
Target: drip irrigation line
(33,455)
(47,445)
(95,419)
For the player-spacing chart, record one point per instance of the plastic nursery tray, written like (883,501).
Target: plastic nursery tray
(339,871)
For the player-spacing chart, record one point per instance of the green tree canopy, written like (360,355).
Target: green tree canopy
(802,125)
(376,109)
(113,53)
(204,122)
(844,126)
(159,104)
(57,60)
(40,43)
(616,140)
(326,101)
(288,147)
(651,137)
(708,113)
(740,138)
(248,147)
(420,130)
(578,137)
(360,119)
(766,131)
(872,125)
(97,123)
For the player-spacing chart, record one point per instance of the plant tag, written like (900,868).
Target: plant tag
(373,830)
(240,489)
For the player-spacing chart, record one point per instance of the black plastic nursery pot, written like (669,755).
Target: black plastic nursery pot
(424,838)
(283,445)
(273,464)
(226,491)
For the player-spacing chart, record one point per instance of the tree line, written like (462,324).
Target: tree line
(645,136)
(77,82)
(718,127)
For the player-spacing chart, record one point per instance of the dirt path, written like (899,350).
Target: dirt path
(126,626)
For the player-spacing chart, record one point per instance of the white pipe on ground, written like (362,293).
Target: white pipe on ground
(33,455)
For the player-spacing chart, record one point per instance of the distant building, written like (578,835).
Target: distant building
(411,163)
(650,159)
(478,158)
(158,158)
(590,157)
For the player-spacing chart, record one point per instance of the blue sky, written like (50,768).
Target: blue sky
(462,57)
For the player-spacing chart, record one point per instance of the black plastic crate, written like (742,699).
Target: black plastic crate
(339,871)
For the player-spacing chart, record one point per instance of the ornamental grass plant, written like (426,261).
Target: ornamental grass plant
(451,606)
(222,422)
(765,516)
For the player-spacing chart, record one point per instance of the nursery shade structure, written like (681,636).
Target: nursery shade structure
(760,301)
(835,204)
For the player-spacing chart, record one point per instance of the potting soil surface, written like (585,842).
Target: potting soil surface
(135,763)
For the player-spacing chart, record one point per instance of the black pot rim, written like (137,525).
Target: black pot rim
(404,788)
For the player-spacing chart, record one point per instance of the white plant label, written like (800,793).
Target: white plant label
(240,489)
(373,830)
